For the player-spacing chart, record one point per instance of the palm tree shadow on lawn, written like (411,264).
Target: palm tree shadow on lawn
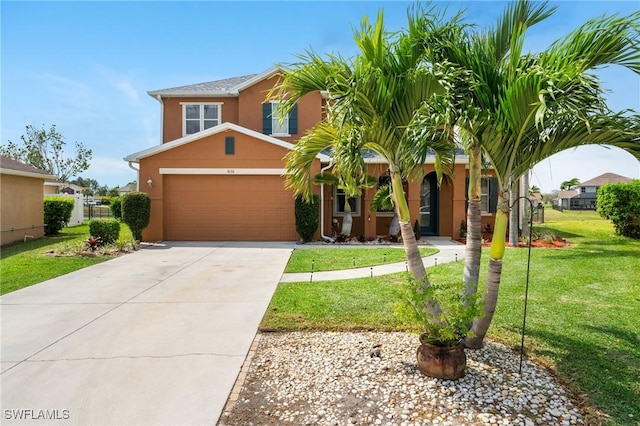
(611,381)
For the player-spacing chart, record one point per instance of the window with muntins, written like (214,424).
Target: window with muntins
(484,195)
(199,117)
(339,200)
(274,125)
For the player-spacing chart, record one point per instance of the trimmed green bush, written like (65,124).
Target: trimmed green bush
(108,230)
(57,213)
(116,207)
(620,203)
(136,212)
(105,200)
(307,213)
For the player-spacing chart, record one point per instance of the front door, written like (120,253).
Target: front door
(429,205)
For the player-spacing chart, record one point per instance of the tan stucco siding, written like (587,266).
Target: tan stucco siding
(250,109)
(451,206)
(172,123)
(176,196)
(21,208)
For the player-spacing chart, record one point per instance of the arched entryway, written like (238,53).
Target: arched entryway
(429,197)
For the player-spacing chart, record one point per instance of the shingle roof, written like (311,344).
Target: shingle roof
(7,163)
(216,87)
(567,194)
(606,178)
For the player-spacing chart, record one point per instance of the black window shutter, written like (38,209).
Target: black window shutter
(493,195)
(229,145)
(266,118)
(293,120)
(466,194)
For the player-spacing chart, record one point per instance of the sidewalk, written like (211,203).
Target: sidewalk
(450,251)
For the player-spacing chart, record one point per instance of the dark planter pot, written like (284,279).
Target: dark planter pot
(442,362)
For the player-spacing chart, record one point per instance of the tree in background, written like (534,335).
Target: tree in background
(569,184)
(88,183)
(44,149)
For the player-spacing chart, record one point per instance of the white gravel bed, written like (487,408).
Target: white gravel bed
(313,378)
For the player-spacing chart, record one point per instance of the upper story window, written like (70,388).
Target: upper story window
(198,117)
(273,125)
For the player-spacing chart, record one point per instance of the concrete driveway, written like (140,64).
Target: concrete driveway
(154,337)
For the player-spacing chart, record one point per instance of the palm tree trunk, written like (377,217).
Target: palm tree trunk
(525,214)
(490,301)
(494,274)
(473,247)
(414,261)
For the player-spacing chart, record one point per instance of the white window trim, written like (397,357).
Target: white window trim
(273,119)
(354,213)
(488,194)
(201,104)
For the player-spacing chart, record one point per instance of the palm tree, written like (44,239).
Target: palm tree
(548,103)
(372,104)
(520,109)
(481,58)
(568,184)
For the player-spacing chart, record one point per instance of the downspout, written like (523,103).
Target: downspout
(322,236)
(159,98)
(137,177)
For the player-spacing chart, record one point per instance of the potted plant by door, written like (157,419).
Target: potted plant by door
(441,351)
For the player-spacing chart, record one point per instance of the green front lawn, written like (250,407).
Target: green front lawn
(26,263)
(583,313)
(334,259)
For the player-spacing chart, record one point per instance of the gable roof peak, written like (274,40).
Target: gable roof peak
(605,178)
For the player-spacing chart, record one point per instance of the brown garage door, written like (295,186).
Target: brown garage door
(227,208)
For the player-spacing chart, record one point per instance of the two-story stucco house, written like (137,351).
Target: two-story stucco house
(218,173)
(586,193)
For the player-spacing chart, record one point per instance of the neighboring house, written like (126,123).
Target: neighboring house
(218,173)
(587,192)
(21,204)
(563,200)
(52,187)
(584,196)
(130,187)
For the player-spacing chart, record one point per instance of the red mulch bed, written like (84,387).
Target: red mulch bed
(556,243)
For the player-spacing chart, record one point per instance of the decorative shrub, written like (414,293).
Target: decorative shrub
(620,203)
(116,207)
(463,229)
(136,211)
(105,200)
(108,230)
(57,213)
(307,213)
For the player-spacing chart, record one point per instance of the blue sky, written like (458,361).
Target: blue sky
(86,66)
